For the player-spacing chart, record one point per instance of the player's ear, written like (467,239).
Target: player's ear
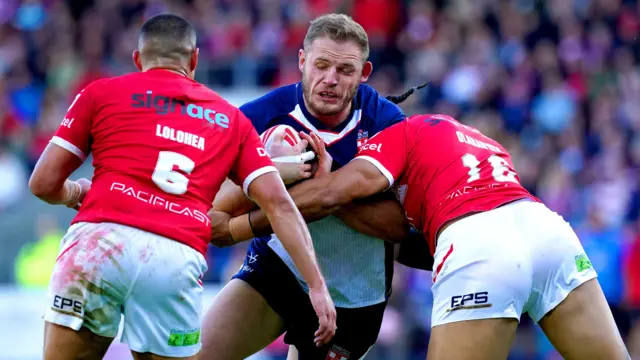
(193,62)
(136,59)
(301,59)
(367,69)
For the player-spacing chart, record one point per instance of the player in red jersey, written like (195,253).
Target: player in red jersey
(162,144)
(498,251)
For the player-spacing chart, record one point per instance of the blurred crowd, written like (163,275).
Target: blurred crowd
(556,82)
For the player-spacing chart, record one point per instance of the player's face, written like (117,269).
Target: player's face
(331,73)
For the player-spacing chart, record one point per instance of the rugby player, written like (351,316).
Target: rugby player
(499,252)
(162,145)
(267,297)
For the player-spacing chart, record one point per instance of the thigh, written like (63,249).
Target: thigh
(163,311)
(249,313)
(487,339)
(357,332)
(89,281)
(567,301)
(560,262)
(633,340)
(239,323)
(483,270)
(62,343)
(581,327)
(482,280)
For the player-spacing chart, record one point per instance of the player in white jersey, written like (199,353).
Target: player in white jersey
(267,296)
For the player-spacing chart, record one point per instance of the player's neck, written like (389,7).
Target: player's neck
(330,121)
(172,68)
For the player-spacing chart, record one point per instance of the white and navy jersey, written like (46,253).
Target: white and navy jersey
(357,268)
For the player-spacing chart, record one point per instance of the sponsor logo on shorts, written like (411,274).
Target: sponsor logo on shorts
(184,337)
(67,305)
(338,353)
(477,300)
(582,262)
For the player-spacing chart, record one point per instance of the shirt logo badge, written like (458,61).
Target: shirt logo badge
(363,136)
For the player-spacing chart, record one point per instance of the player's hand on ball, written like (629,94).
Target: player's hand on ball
(326,312)
(220,235)
(324,158)
(292,172)
(281,148)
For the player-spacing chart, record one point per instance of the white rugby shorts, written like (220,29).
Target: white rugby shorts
(518,258)
(106,269)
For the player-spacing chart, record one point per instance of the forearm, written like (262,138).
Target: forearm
(232,200)
(67,193)
(308,199)
(294,236)
(381,217)
(269,193)
(320,197)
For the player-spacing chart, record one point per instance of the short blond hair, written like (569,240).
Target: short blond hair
(339,28)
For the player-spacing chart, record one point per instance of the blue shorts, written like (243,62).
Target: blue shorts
(358,328)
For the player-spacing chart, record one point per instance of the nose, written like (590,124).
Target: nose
(331,77)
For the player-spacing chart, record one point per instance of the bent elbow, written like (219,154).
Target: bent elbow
(44,187)
(38,187)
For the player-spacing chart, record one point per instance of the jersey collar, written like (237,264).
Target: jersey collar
(311,123)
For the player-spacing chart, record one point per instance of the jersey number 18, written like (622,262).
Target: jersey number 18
(501,171)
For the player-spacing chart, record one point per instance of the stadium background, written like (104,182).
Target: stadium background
(557,82)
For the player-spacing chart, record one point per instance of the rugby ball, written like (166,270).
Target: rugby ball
(291,136)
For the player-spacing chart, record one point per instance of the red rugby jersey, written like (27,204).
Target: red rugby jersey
(443,170)
(162,145)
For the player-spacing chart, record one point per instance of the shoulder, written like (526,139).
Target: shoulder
(276,103)
(436,122)
(99,85)
(280,100)
(377,111)
(108,85)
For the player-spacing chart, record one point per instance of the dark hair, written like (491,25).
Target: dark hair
(397,99)
(167,36)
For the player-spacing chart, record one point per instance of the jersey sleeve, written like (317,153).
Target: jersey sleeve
(74,132)
(257,111)
(252,111)
(264,109)
(388,151)
(252,160)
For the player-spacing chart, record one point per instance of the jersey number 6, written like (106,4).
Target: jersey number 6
(501,171)
(166,178)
